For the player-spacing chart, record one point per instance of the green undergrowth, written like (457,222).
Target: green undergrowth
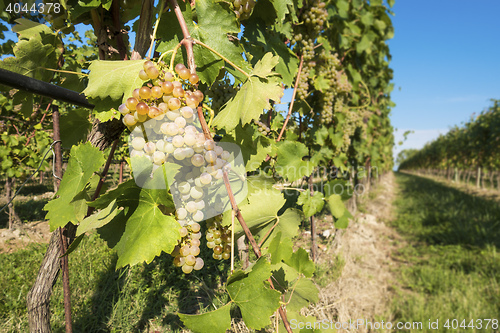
(139,299)
(451,266)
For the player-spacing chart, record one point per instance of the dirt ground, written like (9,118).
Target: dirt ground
(363,290)
(22,235)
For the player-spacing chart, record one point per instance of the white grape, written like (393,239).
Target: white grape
(196,192)
(134,153)
(190,260)
(179,154)
(170,129)
(200,204)
(211,170)
(184,187)
(210,156)
(199,264)
(138,143)
(178,141)
(168,148)
(123,109)
(205,178)
(160,145)
(191,207)
(219,163)
(198,149)
(149,148)
(158,157)
(225,155)
(190,129)
(198,216)
(180,122)
(188,152)
(209,145)
(187,268)
(172,115)
(181,213)
(197,182)
(187,112)
(219,150)
(197,160)
(218,174)
(196,235)
(140,117)
(189,139)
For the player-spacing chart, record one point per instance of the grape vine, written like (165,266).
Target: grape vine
(209,151)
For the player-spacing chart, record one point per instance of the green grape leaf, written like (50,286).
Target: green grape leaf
(321,83)
(257,302)
(106,199)
(113,79)
(311,204)
(142,232)
(107,115)
(253,96)
(28,29)
(303,292)
(264,148)
(281,7)
(80,200)
(290,162)
(260,208)
(264,67)
(97,220)
(367,19)
(343,222)
(25,99)
(83,162)
(217,321)
(75,126)
(30,55)
(337,207)
(260,211)
(254,151)
(287,223)
(263,40)
(280,248)
(301,262)
(214,35)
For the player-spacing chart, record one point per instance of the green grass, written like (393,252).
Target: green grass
(329,271)
(451,267)
(138,299)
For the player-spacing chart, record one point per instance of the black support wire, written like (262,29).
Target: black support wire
(38,87)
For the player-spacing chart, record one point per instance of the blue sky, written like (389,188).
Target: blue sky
(446,62)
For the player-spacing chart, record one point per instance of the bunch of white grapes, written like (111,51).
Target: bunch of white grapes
(262,128)
(243,8)
(219,239)
(165,128)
